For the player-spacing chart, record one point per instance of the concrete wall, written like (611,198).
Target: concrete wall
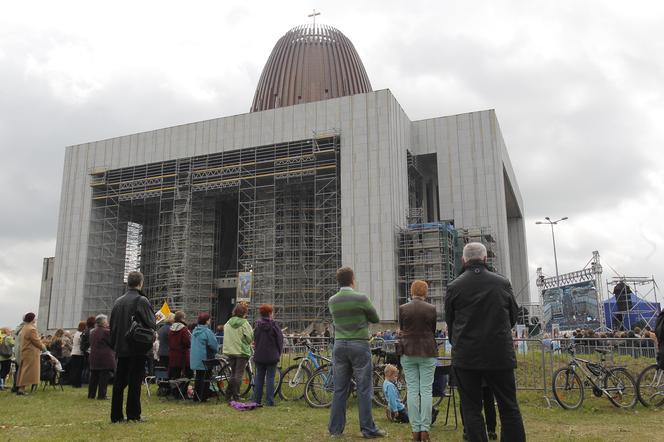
(472,166)
(374,137)
(45,294)
(472,163)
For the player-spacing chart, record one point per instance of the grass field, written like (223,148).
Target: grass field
(70,416)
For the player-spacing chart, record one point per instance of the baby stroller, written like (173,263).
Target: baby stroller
(50,371)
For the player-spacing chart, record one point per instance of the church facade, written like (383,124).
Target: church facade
(314,177)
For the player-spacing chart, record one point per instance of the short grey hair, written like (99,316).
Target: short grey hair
(99,320)
(474,251)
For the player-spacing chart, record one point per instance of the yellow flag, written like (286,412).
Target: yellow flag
(163,312)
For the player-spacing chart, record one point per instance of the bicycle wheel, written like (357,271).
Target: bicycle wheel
(567,388)
(379,397)
(650,387)
(247,382)
(320,387)
(224,378)
(293,381)
(620,387)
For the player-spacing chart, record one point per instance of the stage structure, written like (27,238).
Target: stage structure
(573,299)
(319,173)
(632,302)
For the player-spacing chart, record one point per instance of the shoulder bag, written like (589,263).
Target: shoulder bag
(139,337)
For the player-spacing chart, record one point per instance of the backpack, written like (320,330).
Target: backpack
(5,348)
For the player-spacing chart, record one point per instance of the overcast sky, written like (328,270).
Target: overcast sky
(577,88)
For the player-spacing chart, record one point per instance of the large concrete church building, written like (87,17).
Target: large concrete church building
(322,171)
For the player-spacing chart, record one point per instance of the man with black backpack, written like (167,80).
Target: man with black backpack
(132,330)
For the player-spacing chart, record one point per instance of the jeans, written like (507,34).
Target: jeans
(418,371)
(503,385)
(237,364)
(98,383)
(264,375)
(129,373)
(352,359)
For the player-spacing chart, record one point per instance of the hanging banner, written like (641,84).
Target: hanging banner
(245,286)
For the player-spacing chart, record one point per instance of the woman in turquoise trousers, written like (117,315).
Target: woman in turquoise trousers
(417,321)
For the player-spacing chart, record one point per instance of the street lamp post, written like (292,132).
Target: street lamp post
(553,237)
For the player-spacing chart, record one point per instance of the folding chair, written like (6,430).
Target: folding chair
(48,374)
(160,374)
(214,374)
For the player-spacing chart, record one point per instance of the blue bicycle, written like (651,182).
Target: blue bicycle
(295,378)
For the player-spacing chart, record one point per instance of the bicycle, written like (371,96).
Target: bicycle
(319,389)
(385,353)
(294,379)
(250,375)
(650,386)
(616,383)
(220,374)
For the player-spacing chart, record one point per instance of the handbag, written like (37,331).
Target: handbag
(139,337)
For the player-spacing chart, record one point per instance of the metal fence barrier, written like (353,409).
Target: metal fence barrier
(537,359)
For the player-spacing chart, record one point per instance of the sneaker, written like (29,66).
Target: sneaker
(492,435)
(375,435)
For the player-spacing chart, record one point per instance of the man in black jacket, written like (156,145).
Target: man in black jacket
(131,364)
(480,311)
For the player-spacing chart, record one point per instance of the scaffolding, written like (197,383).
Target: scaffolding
(427,253)
(482,235)
(634,302)
(185,223)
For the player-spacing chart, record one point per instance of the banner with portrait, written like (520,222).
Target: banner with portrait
(245,286)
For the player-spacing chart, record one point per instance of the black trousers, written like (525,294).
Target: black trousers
(489,410)
(98,383)
(129,374)
(503,386)
(5,368)
(76,370)
(201,386)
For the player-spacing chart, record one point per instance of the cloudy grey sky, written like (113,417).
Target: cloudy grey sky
(577,87)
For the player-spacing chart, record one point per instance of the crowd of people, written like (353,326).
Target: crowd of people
(104,349)
(480,313)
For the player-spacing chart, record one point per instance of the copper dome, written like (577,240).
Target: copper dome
(310,63)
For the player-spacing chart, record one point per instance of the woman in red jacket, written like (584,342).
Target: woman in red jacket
(179,343)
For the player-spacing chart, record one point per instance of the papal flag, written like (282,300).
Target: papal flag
(163,312)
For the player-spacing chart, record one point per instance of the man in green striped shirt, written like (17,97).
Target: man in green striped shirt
(352,312)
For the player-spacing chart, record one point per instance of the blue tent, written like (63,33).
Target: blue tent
(641,310)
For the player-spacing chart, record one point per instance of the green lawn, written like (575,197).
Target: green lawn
(70,416)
